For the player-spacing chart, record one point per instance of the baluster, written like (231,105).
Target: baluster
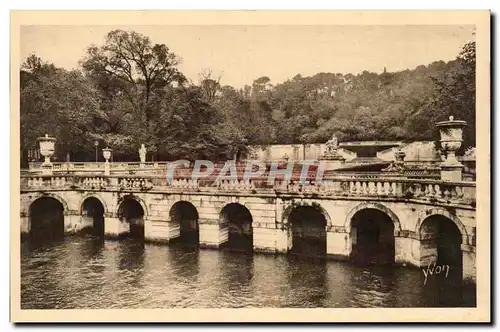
(420,192)
(431,192)
(364,188)
(437,189)
(460,192)
(356,187)
(426,190)
(447,194)
(371,188)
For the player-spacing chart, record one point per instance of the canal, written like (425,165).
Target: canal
(89,272)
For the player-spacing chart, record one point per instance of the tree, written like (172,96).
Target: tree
(57,102)
(454,95)
(209,84)
(136,70)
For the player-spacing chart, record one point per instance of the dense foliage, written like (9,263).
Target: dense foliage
(129,91)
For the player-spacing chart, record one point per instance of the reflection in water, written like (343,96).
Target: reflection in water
(307,276)
(87,272)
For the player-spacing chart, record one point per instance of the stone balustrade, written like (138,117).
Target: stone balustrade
(339,186)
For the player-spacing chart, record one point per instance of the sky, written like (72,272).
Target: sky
(241,54)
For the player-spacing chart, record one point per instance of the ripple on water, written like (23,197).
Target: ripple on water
(83,272)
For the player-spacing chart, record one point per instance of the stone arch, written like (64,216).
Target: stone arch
(445,213)
(307,223)
(236,225)
(47,217)
(289,208)
(137,199)
(184,215)
(238,205)
(183,202)
(375,206)
(96,196)
(49,195)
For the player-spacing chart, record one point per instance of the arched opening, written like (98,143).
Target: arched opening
(308,224)
(132,213)
(372,237)
(236,219)
(93,215)
(440,244)
(46,215)
(185,215)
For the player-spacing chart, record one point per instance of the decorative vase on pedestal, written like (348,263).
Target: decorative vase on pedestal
(451,133)
(106,153)
(47,148)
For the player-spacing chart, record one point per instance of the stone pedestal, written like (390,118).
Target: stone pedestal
(72,222)
(407,251)
(86,222)
(283,240)
(47,169)
(264,239)
(469,263)
(451,173)
(161,231)
(25,225)
(107,169)
(114,227)
(271,240)
(212,235)
(338,245)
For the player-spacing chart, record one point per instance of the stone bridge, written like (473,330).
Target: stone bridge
(385,220)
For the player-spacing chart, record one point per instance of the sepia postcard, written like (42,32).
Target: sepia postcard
(250,166)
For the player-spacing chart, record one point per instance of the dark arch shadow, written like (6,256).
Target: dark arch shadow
(132,212)
(46,220)
(441,254)
(308,226)
(237,220)
(185,215)
(372,238)
(93,216)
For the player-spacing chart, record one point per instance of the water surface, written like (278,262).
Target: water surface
(88,272)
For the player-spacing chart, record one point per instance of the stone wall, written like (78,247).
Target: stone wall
(270,224)
(297,152)
(415,151)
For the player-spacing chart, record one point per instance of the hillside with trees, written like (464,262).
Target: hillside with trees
(130,91)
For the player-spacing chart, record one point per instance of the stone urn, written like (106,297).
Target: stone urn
(47,148)
(451,133)
(106,153)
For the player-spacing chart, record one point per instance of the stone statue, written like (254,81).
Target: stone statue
(332,145)
(142,153)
